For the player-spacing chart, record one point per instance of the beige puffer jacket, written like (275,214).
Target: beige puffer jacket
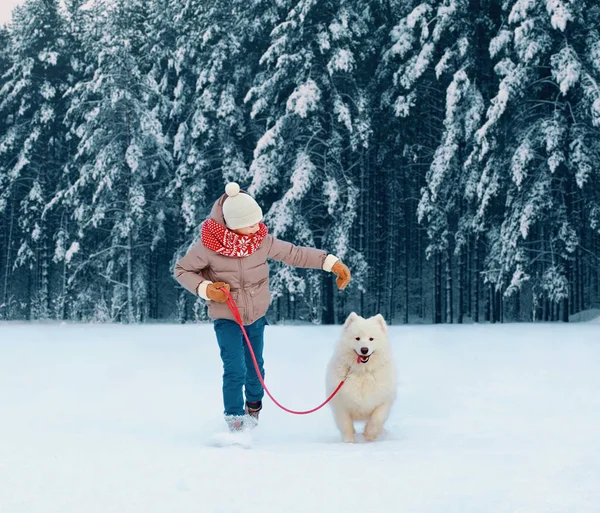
(248,276)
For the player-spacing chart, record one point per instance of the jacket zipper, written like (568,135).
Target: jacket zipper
(242,291)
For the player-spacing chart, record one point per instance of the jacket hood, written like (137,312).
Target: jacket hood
(216,213)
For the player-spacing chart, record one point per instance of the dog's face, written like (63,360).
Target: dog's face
(363,338)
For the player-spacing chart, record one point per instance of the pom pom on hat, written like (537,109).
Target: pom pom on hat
(232,189)
(239,209)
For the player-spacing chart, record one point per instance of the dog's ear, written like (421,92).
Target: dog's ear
(350,319)
(381,321)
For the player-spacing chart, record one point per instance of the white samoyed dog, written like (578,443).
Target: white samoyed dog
(364,359)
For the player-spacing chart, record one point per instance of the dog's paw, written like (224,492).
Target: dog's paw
(370,436)
(349,439)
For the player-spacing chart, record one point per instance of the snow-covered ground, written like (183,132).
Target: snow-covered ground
(494,419)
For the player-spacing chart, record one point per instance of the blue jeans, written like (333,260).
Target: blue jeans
(238,367)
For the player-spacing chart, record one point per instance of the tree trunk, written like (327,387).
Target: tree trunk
(7,267)
(406,283)
(597,268)
(476,281)
(29,301)
(407,245)
(130,314)
(488,304)
(437,311)
(65,292)
(328,314)
(390,270)
(362,243)
(44,293)
(468,278)
(422,311)
(580,282)
(448,291)
(564,310)
(152,283)
(571,274)
(461,285)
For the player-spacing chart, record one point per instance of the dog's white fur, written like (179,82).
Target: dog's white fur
(370,388)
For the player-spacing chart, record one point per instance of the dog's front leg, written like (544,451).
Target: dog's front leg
(345,425)
(376,421)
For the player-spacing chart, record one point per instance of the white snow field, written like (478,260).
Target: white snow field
(489,419)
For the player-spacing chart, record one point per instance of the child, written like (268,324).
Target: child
(232,254)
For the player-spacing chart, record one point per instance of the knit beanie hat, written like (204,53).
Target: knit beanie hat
(240,210)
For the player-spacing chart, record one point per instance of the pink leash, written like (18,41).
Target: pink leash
(236,313)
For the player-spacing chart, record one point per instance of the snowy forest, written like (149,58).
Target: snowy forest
(448,151)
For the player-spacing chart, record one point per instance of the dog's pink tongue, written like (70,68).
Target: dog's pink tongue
(358,359)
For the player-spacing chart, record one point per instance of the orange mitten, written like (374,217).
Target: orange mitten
(214,293)
(343,275)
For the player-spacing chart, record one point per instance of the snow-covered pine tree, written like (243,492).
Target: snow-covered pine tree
(122,157)
(542,128)
(434,54)
(312,100)
(32,146)
(175,32)
(79,19)
(168,23)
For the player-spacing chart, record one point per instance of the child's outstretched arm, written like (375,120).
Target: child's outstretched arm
(304,256)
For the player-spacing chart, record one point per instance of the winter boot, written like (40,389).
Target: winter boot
(253,410)
(235,423)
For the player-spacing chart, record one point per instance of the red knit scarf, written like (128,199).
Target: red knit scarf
(225,242)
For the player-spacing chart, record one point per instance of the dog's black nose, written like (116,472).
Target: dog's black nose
(364,350)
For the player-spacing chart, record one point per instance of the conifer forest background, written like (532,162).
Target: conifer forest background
(447,150)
